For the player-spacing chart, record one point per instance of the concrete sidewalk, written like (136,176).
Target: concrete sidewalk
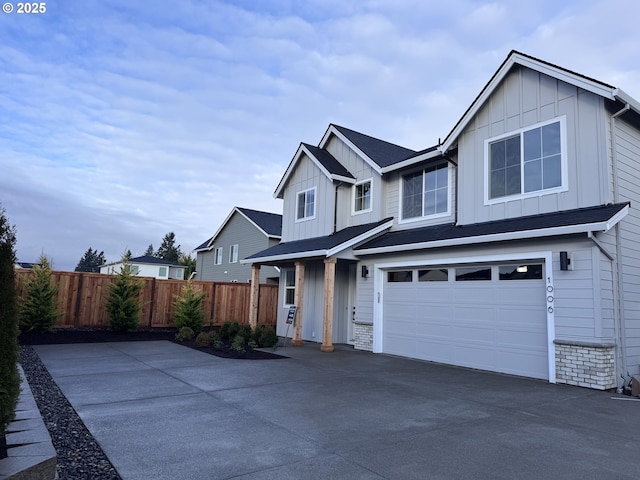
(163,411)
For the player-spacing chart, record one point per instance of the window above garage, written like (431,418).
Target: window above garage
(526,162)
(425,193)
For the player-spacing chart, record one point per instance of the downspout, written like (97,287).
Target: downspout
(455,199)
(620,324)
(335,208)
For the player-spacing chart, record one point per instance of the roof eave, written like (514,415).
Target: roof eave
(501,237)
(412,161)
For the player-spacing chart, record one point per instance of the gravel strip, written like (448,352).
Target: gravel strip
(79,455)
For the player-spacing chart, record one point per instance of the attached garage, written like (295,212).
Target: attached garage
(486,316)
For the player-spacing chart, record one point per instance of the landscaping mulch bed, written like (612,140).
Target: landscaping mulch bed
(84,335)
(79,456)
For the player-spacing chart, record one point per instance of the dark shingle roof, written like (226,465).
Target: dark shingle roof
(581,216)
(328,161)
(316,244)
(204,245)
(153,260)
(381,152)
(271,223)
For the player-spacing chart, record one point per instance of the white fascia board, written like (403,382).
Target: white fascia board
(613,221)
(215,235)
(365,157)
(624,97)
(496,237)
(412,161)
(287,173)
(360,238)
(515,58)
(340,178)
(286,256)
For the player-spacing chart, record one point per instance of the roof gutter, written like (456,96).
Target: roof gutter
(501,237)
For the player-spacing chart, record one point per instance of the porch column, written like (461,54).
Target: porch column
(327,322)
(298,300)
(254,298)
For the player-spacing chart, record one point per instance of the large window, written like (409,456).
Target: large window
(306,204)
(289,287)
(362,197)
(218,256)
(426,192)
(527,162)
(233,254)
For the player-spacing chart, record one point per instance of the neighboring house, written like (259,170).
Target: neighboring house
(243,233)
(18,265)
(512,246)
(147,266)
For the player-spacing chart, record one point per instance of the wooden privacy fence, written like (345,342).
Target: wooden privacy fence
(82,300)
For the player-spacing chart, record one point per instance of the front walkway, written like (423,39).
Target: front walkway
(163,411)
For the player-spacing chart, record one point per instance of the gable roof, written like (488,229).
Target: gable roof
(267,223)
(325,246)
(581,220)
(326,162)
(517,58)
(379,153)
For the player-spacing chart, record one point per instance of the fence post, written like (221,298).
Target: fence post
(76,313)
(153,298)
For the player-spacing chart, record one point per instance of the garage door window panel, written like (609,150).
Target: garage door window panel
(521,272)
(401,276)
(471,274)
(433,275)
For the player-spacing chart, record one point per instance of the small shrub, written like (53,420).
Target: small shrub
(229,330)
(123,304)
(206,339)
(39,309)
(218,344)
(252,344)
(188,308)
(239,344)
(265,336)
(184,334)
(245,331)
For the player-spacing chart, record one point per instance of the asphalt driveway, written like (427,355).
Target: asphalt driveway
(163,411)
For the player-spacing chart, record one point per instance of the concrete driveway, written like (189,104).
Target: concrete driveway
(163,411)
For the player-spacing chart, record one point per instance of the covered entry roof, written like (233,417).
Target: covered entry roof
(581,220)
(325,246)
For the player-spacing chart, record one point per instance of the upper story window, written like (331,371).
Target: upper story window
(218,256)
(426,193)
(306,204)
(233,254)
(362,197)
(526,162)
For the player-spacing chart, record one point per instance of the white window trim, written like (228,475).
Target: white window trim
(233,253)
(285,288)
(166,272)
(315,204)
(353,197)
(447,213)
(215,256)
(538,193)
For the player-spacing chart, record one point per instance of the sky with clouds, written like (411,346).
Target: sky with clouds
(123,120)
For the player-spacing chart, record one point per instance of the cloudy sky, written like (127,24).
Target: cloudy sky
(122,120)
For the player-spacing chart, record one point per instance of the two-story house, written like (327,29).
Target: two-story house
(243,233)
(512,246)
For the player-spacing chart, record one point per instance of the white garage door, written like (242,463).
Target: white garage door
(490,317)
